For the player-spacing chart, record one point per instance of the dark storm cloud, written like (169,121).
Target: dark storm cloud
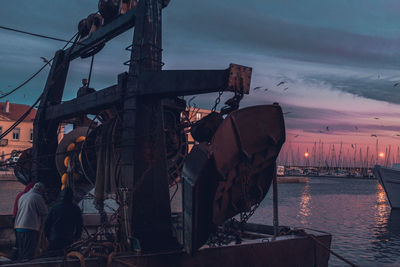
(367,87)
(316,120)
(197,33)
(232,26)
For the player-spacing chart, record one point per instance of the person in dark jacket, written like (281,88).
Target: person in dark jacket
(63,224)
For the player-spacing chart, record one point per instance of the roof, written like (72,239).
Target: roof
(16,111)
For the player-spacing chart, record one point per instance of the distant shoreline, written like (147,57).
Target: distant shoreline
(328,176)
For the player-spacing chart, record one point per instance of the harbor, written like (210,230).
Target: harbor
(364,228)
(170,133)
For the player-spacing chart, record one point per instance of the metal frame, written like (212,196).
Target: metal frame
(139,95)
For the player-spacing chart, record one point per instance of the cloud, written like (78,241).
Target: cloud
(372,87)
(233,27)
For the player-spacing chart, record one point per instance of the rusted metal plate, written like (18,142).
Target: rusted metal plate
(233,172)
(239,78)
(247,132)
(244,149)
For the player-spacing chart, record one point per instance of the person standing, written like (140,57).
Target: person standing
(15,210)
(63,224)
(26,190)
(32,210)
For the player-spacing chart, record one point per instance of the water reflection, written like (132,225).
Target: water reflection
(386,245)
(354,211)
(305,205)
(387,230)
(382,207)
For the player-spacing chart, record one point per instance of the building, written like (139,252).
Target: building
(195,114)
(21,137)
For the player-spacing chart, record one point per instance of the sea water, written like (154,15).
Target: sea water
(355,211)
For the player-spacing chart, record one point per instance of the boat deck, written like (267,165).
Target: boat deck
(264,250)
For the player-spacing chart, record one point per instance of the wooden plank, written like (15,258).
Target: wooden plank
(104,34)
(190,82)
(93,102)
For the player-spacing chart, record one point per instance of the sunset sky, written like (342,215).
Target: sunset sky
(339,59)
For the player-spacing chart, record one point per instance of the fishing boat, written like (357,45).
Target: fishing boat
(139,150)
(389,178)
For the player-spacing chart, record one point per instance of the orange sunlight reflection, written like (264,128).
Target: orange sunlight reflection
(305,209)
(382,207)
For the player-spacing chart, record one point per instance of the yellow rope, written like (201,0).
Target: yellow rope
(78,255)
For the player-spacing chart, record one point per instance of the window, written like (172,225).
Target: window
(15,134)
(31,135)
(198,116)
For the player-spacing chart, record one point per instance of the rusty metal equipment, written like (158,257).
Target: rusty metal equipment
(232,173)
(226,174)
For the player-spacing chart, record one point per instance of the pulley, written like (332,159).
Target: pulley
(70,160)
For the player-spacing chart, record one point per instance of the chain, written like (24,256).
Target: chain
(245,216)
(217,101)
(227,233)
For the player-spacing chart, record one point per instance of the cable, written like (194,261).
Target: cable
(35,74)
(90,72)
(21,119)
(35,34)
(25,82)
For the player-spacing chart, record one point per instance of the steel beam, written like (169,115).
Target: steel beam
(190,82)
(104,34)
(90,103)
(158,83)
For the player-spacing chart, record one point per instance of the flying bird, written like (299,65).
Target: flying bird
(266,89)
(395,84)
(285,113)
(296,136)
(45,60)
(327,128)
(280,83)
(256,88)
(373,135)
(285,88)
(376,118)
(397,134)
